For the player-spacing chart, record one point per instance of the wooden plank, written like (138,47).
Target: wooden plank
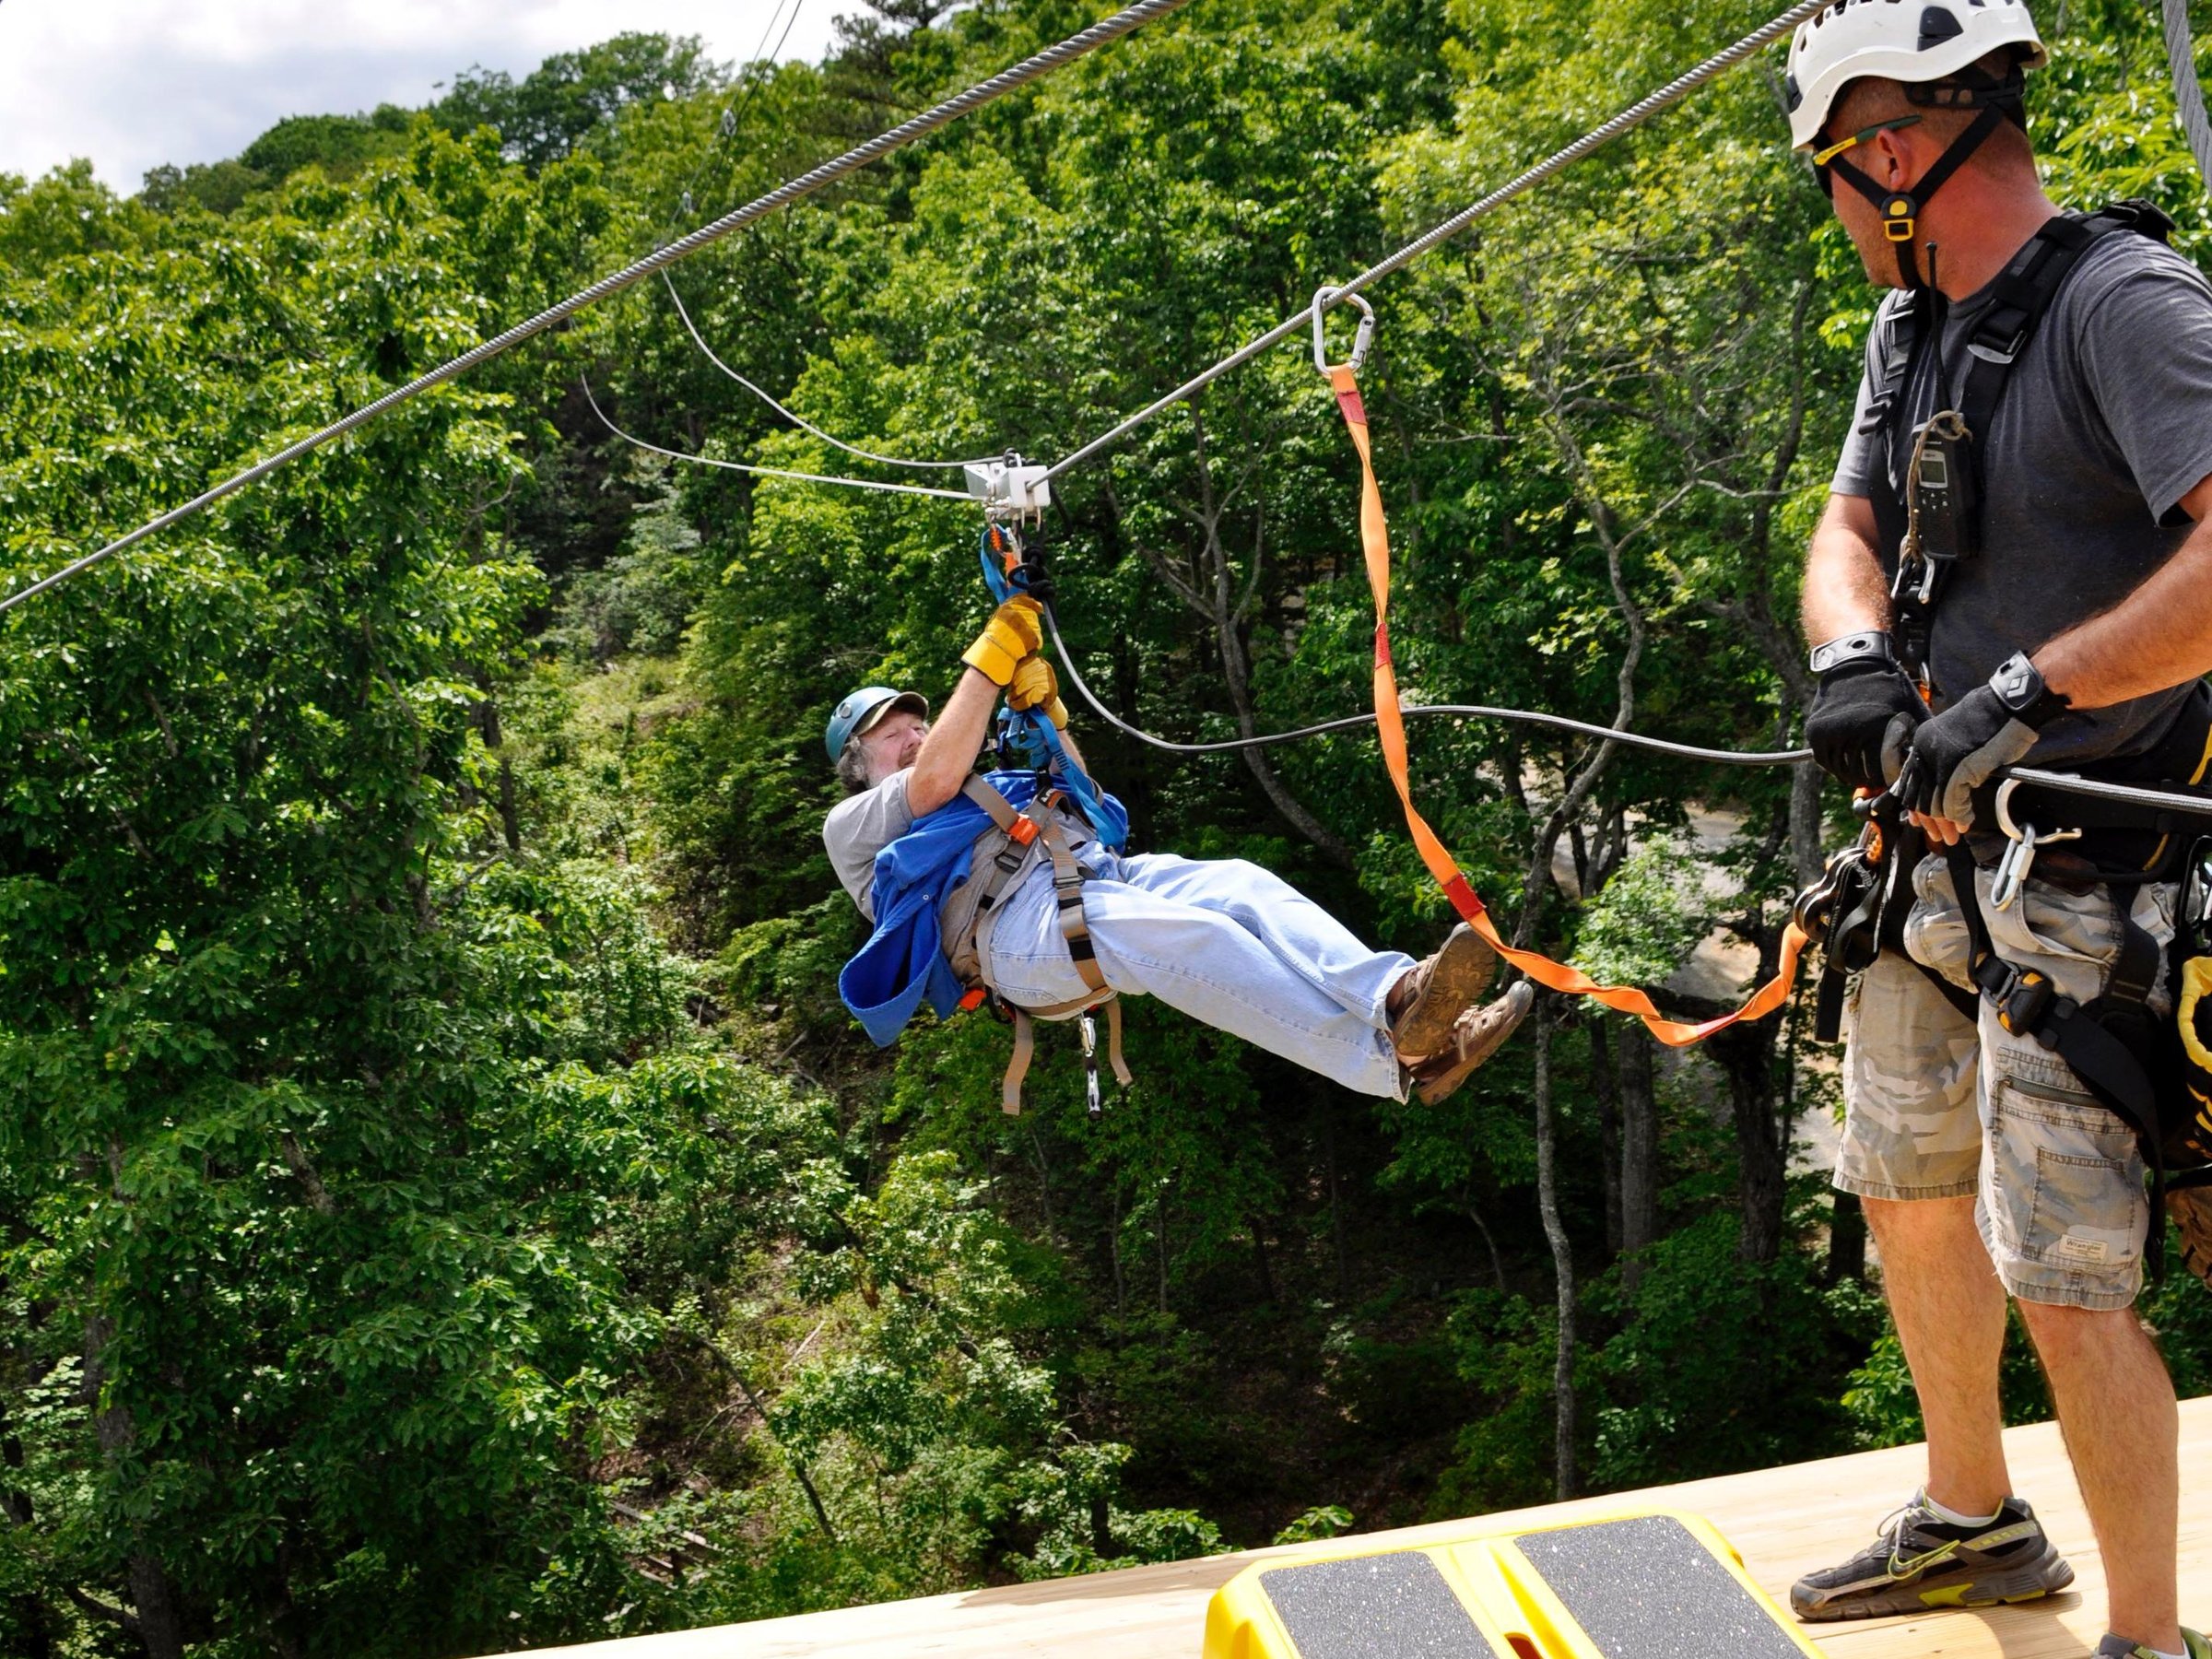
(1784,1521)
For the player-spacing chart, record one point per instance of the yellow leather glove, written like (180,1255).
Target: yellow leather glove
(1011,634)
(1035,686)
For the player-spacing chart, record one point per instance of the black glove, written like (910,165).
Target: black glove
(1862,721)
(1968,743)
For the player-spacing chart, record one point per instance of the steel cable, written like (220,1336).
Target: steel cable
(2188,90)
(1686,752)
(767,472)
(1635,115)
(798,421)
(974,98)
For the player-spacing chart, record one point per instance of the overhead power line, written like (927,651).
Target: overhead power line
(1597,137)
(1032,68)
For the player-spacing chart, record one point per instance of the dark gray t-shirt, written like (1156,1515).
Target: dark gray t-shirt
(2104,425)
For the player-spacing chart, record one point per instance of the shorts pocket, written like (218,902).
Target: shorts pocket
(2065,1181)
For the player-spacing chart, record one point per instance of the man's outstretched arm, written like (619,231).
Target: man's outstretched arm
(955,740)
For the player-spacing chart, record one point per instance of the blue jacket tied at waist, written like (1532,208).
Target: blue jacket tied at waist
(904,958)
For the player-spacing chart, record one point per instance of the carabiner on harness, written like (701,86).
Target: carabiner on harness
(2025,840)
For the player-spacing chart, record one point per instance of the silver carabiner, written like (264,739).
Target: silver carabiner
(1323,298)
(2020,857)
(1092,1104)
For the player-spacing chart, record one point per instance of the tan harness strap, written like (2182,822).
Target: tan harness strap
(1021,829)
(1018,1068)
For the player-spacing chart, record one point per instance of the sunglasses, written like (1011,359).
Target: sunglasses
(1821,158)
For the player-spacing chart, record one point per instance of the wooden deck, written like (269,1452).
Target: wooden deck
(1783,1521)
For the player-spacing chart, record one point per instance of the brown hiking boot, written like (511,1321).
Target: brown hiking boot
(1423,1004)
(2192,1211)
(1475,1035)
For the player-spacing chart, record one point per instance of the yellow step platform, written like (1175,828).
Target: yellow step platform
(1646,1585)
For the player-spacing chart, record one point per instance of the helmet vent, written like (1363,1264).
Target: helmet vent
(1936,26)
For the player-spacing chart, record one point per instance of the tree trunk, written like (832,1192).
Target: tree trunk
(1562,1259)
(1259,1257)
(1745,1055)
(156,1623)
(1638,1152)
(1606,1084)
(1806,782)
(1846,1238)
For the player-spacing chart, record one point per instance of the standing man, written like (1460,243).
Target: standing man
(2012,567)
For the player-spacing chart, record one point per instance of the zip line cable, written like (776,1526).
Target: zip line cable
(767,472)
(797,420)
(2188,90)
(974,98)
(1598,136)
(1686,751)
(1635,115)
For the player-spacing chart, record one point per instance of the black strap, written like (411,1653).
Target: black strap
(2092,1040)
(1901,209)
(2024,292)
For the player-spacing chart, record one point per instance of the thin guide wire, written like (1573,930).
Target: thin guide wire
(1044,62)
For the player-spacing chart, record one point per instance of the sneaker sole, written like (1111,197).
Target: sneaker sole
(1462,972)
(2046,1575)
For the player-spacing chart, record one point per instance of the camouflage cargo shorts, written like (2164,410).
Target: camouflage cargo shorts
(1939,1106)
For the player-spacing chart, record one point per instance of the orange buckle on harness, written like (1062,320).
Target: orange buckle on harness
(1022,832)
(976,996)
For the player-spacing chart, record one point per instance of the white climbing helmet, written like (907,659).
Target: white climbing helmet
(1899,41)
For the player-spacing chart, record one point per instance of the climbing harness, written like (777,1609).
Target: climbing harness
(1390,726)
(1928,521)
(2146,1069)
(1003,858)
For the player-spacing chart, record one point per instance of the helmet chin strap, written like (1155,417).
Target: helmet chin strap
(1901,209)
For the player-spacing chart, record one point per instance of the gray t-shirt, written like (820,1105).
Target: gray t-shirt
(2105,425)
(861,826)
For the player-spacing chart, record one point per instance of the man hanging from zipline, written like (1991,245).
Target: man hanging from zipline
(986,882)
(2015,565)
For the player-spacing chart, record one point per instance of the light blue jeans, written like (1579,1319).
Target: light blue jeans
(1222,941)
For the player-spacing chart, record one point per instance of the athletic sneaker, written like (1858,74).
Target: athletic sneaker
(2119,1647)
(1922,1561)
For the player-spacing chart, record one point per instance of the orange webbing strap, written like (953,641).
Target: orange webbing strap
(1390,726)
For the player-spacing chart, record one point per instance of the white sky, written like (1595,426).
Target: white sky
(134,83)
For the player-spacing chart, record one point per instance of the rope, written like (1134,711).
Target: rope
(2188,91)
(797,420)
(766,472)
(1686,751)
(1597,137)
(929,120)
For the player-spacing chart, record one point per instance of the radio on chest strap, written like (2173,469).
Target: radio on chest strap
(1929,518)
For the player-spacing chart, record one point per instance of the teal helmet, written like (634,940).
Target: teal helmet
(863,708)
